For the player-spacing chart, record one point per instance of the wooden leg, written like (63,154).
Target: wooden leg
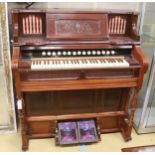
(128,122)
(133,108)
(126,133)
(25,142)
(25,138)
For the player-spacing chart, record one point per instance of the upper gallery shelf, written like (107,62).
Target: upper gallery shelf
(41,27)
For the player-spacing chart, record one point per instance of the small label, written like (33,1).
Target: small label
(19,104)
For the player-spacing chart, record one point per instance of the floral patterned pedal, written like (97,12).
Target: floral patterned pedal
(67,133)
(87,131)
(74,132)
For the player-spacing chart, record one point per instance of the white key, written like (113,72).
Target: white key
(125,63)
(117,64)
(42,65)
(32,65)
(45,65)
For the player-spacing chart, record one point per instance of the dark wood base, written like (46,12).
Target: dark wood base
(149,148)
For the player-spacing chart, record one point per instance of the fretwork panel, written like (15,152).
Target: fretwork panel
(32,24)
(117,25)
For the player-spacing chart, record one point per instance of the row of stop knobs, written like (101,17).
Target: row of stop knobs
(78,53)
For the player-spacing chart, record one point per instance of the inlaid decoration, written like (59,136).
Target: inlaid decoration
(77,27)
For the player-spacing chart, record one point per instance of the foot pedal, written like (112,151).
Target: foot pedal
(87,131)
(67,133)
(77,132)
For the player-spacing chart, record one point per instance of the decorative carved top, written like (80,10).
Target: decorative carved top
(77,26)
(70,25)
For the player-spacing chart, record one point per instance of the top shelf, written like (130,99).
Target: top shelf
(75,10)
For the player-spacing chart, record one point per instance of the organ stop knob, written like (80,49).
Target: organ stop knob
(54,54)
(103,52)
(84,53)
(49,53)
(94,52)
(43,53)
(98,52)
(59,53)
(108,53)
(113,52)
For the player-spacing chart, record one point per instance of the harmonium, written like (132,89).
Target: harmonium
(77,73)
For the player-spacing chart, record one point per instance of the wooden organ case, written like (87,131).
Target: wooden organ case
(75,64)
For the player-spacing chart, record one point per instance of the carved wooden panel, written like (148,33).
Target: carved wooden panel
(77,26)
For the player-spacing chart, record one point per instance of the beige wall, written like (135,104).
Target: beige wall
(0,43)
(7,110)
(0,59)
(149,20)
(101,5)
(4,116)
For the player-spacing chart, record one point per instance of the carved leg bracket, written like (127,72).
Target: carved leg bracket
(98,128)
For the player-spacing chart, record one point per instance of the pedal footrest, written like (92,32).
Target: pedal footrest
(74,132)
